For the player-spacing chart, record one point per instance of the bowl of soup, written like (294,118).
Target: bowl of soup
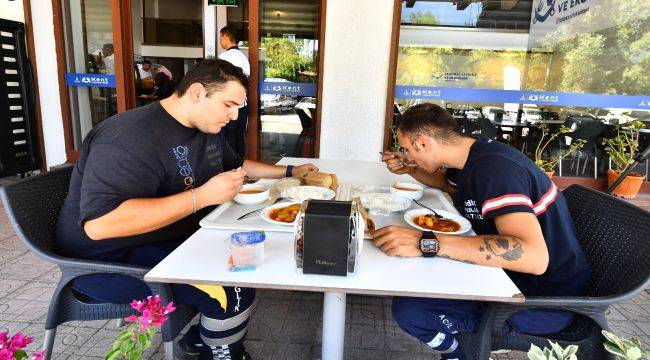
(252,194)
(407,190)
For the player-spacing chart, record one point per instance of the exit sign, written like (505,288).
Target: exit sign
(224,2)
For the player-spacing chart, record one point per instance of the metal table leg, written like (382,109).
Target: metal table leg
(333,326)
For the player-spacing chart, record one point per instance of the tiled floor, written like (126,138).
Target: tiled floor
(286,325)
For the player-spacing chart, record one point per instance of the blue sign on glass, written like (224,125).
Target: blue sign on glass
(90,80)
(522,97)
(287,88)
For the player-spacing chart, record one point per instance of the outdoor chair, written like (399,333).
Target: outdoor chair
(33,206)
(614,237)
(588,130)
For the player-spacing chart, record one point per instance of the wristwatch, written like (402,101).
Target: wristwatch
(429,244)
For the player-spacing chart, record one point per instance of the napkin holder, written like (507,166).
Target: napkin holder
(328,237)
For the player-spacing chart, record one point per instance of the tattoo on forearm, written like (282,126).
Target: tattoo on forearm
(506,247)
(449,257)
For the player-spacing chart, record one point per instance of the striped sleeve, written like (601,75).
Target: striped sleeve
(503,188)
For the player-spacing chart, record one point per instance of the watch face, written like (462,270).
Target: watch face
(429,245)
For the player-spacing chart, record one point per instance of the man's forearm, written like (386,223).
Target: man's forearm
(256,169)
(140,216)
(507,252)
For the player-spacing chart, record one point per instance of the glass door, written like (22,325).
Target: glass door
(288,77)
(90,64)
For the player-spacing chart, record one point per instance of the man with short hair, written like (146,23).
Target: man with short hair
(236,131)
(143,181)
(520,217)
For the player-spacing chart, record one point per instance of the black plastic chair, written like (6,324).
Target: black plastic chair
(589,130)
(33,206)
(614,236)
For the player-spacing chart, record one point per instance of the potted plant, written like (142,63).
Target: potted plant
(622,149)
(556,352)
(548,166)
(623,348)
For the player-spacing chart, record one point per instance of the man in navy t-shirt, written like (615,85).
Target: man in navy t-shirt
(520,217)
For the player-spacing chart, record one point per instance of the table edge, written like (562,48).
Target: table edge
(516,298)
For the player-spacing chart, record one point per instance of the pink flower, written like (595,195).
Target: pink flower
(153,312)
(5,354)
(3,338)
(38,355)
(19,341)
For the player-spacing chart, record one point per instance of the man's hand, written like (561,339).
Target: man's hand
(220,188)
(305,168)
(398,241)
(396,163)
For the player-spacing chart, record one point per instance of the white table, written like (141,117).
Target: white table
(194,262)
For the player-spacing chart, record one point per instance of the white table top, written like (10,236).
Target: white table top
(202,260)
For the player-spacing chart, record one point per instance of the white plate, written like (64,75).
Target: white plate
(308,193)
(372,202)
(265,213)
(465,225)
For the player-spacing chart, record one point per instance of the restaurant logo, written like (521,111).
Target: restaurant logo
(547,8)
(541,98)
(421,93)
(542,12)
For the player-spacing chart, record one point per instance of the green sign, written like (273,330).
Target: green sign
(224,2)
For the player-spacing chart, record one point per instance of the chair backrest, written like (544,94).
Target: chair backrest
(488,129)
(33,206)
(615,237)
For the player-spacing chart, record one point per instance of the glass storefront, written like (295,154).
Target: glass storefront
(581,63)
(288,76)
(90,64)
(166,22)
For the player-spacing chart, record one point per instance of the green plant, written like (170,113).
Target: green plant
(545,140)
(622,148)
(394,143)
(554,353)
(623,348)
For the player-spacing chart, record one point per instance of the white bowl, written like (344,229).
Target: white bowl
(267,210)
(302,193)
(252,199)
(415,194)
(465,225)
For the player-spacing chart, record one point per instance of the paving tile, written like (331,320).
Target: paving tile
(34,290)
(8,286)
(644,326)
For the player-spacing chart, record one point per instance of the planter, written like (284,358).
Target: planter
(630,186)
(550,174)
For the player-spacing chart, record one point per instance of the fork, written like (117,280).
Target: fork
(248,214)
(428,208)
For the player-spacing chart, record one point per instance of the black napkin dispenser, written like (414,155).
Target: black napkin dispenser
(328,236)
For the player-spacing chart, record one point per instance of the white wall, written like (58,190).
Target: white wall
(12,10)
(357,51)
(48,86)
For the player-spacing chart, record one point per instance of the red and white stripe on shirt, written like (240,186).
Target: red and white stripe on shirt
(521,200)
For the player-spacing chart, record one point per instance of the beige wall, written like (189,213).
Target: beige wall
(357,51)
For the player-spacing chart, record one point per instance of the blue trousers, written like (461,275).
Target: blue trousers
(429,320)
(221,328)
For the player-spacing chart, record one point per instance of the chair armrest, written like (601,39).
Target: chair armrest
(74,268)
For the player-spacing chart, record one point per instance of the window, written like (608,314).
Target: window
(523,60)
(167,23)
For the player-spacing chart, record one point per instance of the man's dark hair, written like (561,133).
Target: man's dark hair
(146,62)
(213,74)
(429,120)
(231,33)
